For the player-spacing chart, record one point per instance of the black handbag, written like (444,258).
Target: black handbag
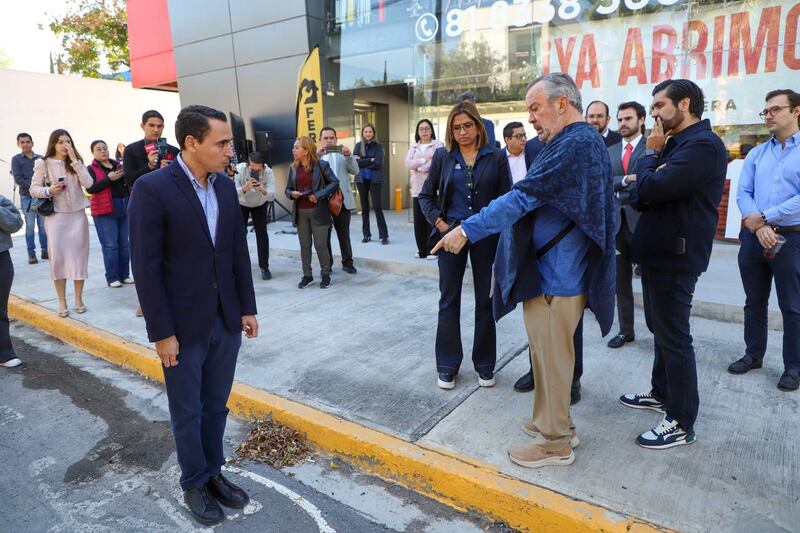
(42,206)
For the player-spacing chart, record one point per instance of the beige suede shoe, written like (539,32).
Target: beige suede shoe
(529,428)
(532,455)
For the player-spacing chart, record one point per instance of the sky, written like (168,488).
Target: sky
(21,40)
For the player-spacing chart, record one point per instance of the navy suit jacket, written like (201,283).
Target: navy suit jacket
(678,192)
(532,149)
(182,279)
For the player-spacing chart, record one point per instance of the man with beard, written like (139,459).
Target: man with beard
(679,183)
(597,114)
(624,155)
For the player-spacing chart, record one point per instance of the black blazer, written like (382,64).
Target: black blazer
(134,161)
(678,192)
(491,179)
(322,189)
(182,279)
(615,153)
(612,138)
(373,160)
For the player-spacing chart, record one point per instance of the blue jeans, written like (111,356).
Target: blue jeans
(197,391)
(112,230)
(757,274)
(31,220)
(667,298)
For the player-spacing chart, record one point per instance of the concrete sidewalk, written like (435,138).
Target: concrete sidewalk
(363,351)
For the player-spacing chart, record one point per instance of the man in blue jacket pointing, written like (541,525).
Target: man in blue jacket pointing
(555,254)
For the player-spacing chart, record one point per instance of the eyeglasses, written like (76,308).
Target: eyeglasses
(463,127)
(520,136)
(772,111)
(424,128)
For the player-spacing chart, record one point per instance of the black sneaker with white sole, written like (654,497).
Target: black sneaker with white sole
(305,281)
(667,434)
(446,381)
(642,401)
(486,379)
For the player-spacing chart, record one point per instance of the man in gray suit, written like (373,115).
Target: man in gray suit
(624,154)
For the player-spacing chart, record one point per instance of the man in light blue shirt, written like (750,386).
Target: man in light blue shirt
(207,197)
(769,199)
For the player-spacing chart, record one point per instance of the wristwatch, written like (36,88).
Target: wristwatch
(763,217)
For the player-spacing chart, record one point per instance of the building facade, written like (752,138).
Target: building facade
(392,62)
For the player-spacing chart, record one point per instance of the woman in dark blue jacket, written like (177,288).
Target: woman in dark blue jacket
(463,178)
(369,153)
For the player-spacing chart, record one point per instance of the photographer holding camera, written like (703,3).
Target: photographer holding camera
(255,184)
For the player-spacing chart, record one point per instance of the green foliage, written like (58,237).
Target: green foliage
(93,32)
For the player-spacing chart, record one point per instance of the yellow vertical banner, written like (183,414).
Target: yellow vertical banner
(310,118)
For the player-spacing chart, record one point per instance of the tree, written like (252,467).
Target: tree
(470,66)
(93,33)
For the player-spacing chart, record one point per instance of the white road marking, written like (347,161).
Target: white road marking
(304,504)
(7,414)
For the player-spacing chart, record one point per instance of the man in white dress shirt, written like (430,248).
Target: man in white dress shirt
(514,136)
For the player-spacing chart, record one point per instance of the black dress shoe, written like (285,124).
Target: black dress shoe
(203,506)
(366,239)
(620,340)
(384,241)
(32,259)
(745,364)
(350,269)
(575,393)
(45,256)
(790,380)
(266,274)
(226,492)
(525,383)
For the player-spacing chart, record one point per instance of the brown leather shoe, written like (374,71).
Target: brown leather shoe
(530,428)
(531,455)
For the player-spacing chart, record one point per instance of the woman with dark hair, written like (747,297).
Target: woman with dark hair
(311,183)
(463,178)
(109,203)
(62,176)
(119,152)
(369,154)
(418,161)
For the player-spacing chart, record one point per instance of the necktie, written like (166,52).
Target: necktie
(626,157)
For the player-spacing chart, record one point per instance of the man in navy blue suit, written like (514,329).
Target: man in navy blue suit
(189,255)
(679,182)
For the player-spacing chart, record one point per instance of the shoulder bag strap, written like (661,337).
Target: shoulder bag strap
(555,240)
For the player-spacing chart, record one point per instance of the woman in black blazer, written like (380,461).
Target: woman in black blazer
(463,178)
(369,154)
(311,182)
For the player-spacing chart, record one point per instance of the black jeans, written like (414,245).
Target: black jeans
(449,352)
(667,303)
(757,273)
(341,223)
(422,230)
(6,278)
(365,190)
(260,227)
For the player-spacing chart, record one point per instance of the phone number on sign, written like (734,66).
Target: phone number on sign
(525,13)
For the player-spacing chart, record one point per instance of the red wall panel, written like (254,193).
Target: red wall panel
(150,43)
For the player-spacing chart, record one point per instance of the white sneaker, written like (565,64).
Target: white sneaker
(486,379)
(128,281)
(446,381)
(416,255)
(431,257)
(11,363)
(115,284)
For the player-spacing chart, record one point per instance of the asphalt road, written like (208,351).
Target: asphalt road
(87,446)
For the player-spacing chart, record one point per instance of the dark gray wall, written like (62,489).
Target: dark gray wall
(243,56)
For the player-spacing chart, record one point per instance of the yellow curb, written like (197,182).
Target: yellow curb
(443,475)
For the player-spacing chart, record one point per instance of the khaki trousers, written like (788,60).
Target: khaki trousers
(550,322)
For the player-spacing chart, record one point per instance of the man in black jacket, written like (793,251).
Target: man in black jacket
(142,156)
(679,183)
